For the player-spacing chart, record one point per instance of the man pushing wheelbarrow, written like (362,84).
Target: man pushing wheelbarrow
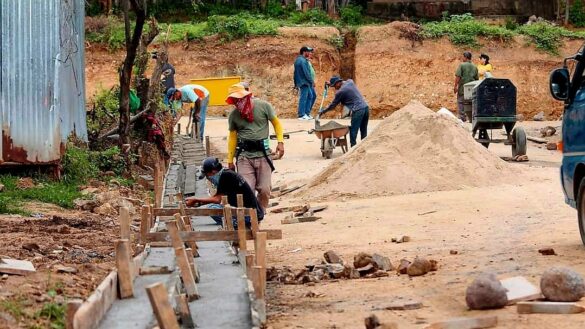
(349,96)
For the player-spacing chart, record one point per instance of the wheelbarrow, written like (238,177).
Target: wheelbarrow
(331,134)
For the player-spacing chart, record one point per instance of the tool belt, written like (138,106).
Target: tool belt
(261,145)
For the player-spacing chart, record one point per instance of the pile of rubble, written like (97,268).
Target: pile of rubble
(365,265)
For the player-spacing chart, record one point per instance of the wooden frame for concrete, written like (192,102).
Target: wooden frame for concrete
(213,235)
(164,312)
(124,267)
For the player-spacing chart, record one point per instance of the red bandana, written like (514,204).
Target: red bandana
(244,106)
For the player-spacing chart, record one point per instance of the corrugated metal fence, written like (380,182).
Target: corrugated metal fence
(42,78)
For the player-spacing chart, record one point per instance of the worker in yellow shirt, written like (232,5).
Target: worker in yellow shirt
(248,140)
(484,68)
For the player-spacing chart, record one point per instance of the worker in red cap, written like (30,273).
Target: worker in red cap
(248,141)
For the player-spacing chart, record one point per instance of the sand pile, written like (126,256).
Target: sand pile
(414,150)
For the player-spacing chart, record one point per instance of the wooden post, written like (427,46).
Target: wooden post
(144,224)
(254,221)
(125,223)
(186,273)
(224,200)
(184,311)
(124,268)
(207,147)
(157,185)
(178,128)
(72,307)
(173,229)
(179,197)
(179,220)
(241,229)
(240,199)
(249,264)
(227,217)
(159,300)
(259,281)
(260,248)
(182,209)
(191,259)
(171,199)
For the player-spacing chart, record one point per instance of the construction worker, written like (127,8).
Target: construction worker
(248,140)
(304,83)
(196,95)
(229,183)
(466,72)
(349,96)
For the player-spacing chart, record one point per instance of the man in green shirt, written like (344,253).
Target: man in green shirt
(248,140)
(466,72)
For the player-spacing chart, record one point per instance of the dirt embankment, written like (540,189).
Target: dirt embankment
(388,70)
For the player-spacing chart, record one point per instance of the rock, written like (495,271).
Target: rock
(403,267)
(353,273)
(82,204)
(336,271)
(394,240)
(561,284)
(361,260)
(547,251)
(372,322)
(520,117)
(65,269)
(382,263)
(551,146)
(312,263)
(486,292)
(332,257)
(420,266)
(434,265)
(146,181)
(370,268)
(30,246)
(453,252)
(89,190)
(123,202)
(63,229)
(539,116)
(105,209)
(377,274)
(405,238)
(548,131)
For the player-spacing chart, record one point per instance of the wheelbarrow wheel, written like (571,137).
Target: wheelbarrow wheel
(329,145)
(518,141)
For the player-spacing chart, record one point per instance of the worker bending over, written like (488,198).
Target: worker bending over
(228,183)
(348,95)
(196,95)
(248,140)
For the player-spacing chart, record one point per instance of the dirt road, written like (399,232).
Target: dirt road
(498,229)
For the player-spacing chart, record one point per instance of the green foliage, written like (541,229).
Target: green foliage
(77,165)
(241,25)
(511,24)
(577,14)
(183,31)
(14,307)
(337,41)
(59,193)
(109,160)
(275,9)
(112,34)
(351,15)
(54,313)
(548,37)
(313,16)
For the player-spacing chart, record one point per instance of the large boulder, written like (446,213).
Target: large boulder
(486,292)
(561,284)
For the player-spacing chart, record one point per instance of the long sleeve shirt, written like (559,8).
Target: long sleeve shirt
(349,96)
(302,74)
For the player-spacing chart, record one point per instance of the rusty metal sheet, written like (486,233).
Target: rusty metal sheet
(42,78)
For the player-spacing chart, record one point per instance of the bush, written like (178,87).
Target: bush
(78,167)
(112,34)
(312,16)
(545,36)
(577,14)
(109,160)
(351,15)
(104,111)
(232,27)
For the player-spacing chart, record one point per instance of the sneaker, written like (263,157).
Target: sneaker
(303,118)
(310,117)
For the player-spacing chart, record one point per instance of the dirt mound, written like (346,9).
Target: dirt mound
(414,150)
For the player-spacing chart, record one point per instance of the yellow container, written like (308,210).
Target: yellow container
(218,88)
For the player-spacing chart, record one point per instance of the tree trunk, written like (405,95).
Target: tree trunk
(567,12)
(331,8)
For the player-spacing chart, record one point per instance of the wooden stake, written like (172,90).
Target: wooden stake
(241,230)
(212,235)
(259,281)
(260,248)
(179,197)
(240,200)
(207,147)
(179,220)
(157,185)
(182,209)
(72,307)
(191,259)
(159,300)
(144,224)
(124,268)
(227,217)
(171,199)
(249,264)
(186,273)
(125,223)
(174,234)
(224,200)
(184,311)
(254,221)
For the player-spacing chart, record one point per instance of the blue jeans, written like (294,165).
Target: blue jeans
(359,121)
(202,115)
(219,219)
(304,101)
(312,99)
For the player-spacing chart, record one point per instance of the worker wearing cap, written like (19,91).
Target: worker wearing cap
(466,72)
(304,83)
(248,140)
(229,183)
(349,96)
(198,96)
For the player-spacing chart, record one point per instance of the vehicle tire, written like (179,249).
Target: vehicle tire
(581,209)
(518,141)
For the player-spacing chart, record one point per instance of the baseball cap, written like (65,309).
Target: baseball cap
(334,79)
(305,48)
(208,165)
